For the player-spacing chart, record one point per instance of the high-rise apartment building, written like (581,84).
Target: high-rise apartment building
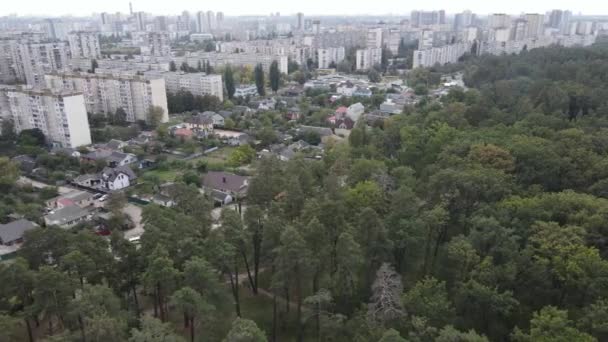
(374,38)
(152,43)
(463,20)
(197,83)
(327,57)
(201,22)
(367,58)
(105,93)
(84,44)
(219,20)
(300,21)
(520,29)
(140,21)
(427,18)
(34,60)
(60,114)
(499,20)
(536,24)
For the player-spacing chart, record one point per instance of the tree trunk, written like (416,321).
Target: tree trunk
(29,329)
(249,276)
(286,289)
(192,329)
(155,302)
(136,301)
(81,325)
(257,241)
(274,310)
(186,320)
(299,310)
(51,326)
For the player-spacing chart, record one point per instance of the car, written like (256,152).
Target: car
(103,198)
(97,196)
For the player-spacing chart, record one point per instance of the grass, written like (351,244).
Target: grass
(219,156)
(164,175)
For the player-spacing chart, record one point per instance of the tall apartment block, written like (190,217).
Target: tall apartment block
(35,60)
(105,93)
(152,43)
(367,58)
(84,44)
(325,57)
(60,114)
(197,83)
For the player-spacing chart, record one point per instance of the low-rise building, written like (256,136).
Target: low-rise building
(67,217)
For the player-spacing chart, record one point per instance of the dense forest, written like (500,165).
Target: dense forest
(479,217)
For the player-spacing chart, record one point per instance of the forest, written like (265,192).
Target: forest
(479,217)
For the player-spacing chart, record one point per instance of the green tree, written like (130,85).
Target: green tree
(275,76)
(160,276)
(9,173)
(153,330)
(229,82)
(192,305)
(429,298)
(156,115)
(259,79)
(172,66)
(551,324)
(244,330)
(392,335)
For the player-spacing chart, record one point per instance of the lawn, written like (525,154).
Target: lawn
(164,175)
(219,156)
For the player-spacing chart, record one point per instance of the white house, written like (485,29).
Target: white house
(355,111)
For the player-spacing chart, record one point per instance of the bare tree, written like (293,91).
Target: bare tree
(385,303)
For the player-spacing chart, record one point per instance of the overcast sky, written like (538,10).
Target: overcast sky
(286,7)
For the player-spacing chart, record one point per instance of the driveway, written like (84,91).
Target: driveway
(135,213)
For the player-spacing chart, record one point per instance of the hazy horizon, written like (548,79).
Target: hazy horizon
(310,8)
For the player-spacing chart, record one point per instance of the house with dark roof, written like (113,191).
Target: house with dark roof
(117,178)
(12,232)
(115,145)
(215,182)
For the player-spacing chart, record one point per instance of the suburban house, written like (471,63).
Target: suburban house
(115,145)
(12,232)
(67,217)
(117,178)
(79,198)
(232,138)
(218,183)
(362,92)
(390,107)
(113,158)
(355,111)
(183,133)
(293,113)
(108,179)
(200,122)
(163,200)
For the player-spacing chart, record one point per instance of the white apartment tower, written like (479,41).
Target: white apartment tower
(153,43)
(325,57)
(536,25)
(60,115)
(105,93)
(367,58)
(374,38)
(197,83)
(33,61)
(84,44)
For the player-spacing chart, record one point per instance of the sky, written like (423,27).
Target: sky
(286,7)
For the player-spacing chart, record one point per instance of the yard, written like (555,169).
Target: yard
(217,157)
(163,175)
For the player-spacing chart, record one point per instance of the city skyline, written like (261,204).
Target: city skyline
(314,7)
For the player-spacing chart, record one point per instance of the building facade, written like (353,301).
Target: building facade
(84,44)
(60,114)
(106,93)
